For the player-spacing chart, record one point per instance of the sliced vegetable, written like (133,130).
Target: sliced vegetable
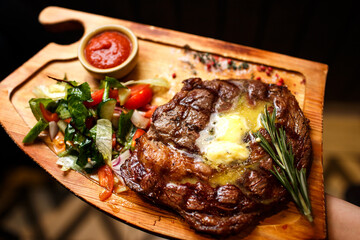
(62,125)
(93,125)
(115,117)
(106,180)
(40,126)
(54,91)
(89,156)
(48,116)
(53,129)
(62,109)
(85,147)
(83,91)
(68,162)
(67,120)
(129,140)
(140,96)
(112,82)
(114,93)
(124,126)
(34,106)
(111,86)
(139,120)
(123,95)
(159,82)
(92,132)
(104,139)
(106,108)
(137,88)
(150,112)
(96,98)
(138,133)
(117,162)
(78,112)
(108,103)
(106,90)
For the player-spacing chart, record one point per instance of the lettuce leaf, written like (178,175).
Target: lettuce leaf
(124,126)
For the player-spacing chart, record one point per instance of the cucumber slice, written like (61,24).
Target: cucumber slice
(62,125)
(40,126)
(34,106)
(106,108)
(124,95)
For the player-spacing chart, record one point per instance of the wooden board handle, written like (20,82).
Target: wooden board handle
(52,17)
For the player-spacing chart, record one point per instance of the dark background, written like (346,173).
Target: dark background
(321,31)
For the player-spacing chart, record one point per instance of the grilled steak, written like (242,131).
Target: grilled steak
(169,166)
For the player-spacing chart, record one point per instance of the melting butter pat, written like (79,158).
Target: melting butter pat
(221,142)
(224,152)
(231,127)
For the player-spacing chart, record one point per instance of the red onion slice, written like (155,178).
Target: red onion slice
(117,162)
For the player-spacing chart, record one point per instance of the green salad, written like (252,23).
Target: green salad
(97,128)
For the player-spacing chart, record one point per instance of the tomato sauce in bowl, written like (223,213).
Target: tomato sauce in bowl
(108,49)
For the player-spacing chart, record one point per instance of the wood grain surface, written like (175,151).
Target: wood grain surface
(161,54)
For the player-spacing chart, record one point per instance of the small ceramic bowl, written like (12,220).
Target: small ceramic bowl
(118,71)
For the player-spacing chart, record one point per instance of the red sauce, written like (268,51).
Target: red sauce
(108,49)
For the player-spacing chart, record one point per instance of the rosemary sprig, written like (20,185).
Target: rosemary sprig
(280,151)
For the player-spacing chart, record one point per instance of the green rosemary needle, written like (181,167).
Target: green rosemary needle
(280,151)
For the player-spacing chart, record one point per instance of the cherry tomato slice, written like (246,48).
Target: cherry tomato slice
(114,93)
(97,98)
(150,112)
(68,120)
(98,95)
(139,132)
(106,180)
(138,87)
(48,116)
(140,96)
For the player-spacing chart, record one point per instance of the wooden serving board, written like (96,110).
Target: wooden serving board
(161,54)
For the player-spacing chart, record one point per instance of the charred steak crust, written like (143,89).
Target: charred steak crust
(164,157)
